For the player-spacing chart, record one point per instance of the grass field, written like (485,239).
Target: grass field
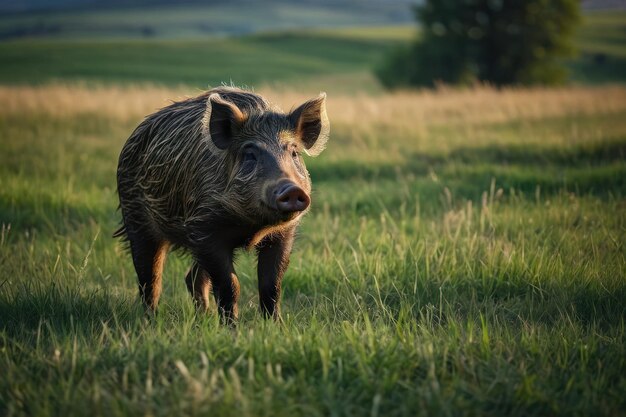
(304,59)
(464,256)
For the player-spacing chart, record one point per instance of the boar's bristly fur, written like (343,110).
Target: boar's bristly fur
(211,174)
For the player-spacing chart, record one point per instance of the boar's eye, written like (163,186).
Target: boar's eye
(295,156)
(249,155)
(248,159)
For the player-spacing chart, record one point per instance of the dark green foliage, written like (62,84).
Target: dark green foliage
(498,42)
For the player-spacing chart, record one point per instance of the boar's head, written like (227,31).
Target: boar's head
(261,149)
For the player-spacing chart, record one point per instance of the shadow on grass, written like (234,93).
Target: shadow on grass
(49,214)
(27,311)
(596,169)
(65,310)
(577,156)
(515,298)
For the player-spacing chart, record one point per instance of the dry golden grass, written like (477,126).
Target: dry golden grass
(477,105)
(423,120)
(70,100)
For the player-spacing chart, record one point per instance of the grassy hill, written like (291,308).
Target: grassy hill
(337,59)
(196,19)
(286,57)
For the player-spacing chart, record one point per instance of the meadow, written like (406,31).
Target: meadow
(464,254)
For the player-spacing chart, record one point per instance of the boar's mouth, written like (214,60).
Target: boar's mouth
(275,216)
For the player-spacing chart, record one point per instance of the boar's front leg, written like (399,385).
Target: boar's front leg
(273,253)
(225,284)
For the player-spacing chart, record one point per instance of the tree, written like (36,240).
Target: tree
(496,41)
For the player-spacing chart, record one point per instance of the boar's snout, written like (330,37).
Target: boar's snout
(290,198)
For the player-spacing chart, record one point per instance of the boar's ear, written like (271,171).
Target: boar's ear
(311,124)
(221,120)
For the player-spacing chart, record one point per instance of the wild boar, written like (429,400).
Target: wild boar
(212,174)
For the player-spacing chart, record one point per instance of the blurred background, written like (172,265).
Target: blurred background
(344,45)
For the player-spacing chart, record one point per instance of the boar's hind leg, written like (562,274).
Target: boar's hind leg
(273,261)
(225,284)
(199,286)
(148,258)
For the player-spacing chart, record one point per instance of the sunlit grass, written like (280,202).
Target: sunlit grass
(464,255)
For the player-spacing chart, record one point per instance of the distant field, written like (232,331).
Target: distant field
(287,58)
(602,44)
(197,20)
(465,255)
(324,59)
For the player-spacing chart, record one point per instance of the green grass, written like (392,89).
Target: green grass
(465,252)
(339,59)
(289,58)
(479,273)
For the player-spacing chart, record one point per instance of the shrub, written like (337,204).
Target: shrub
(513,42)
